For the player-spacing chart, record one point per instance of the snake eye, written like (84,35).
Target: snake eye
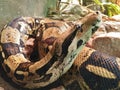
(79,28)
(97,12)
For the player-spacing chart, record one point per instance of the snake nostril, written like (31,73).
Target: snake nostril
(97,12)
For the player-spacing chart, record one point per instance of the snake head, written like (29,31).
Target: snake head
(87,26)
(91,21)
(92,18)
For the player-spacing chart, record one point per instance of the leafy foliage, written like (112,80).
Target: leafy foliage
(65,9)
(108,8)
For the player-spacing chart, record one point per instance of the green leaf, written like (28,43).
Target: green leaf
(97,2)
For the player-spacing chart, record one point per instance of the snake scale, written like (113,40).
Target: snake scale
(35,52)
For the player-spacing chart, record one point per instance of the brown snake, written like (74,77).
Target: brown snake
(55,45)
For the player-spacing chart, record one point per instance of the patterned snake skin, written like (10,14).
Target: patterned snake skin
(35,52)
(93,70)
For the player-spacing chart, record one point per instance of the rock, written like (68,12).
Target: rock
(116,17)
(107,43)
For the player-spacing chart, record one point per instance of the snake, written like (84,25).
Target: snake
(35,51)
(93,70)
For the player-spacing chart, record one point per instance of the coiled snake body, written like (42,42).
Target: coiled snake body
(55,45)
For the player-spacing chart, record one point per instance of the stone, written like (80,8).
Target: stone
(107,43)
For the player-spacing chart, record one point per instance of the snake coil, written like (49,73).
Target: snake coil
(26,56)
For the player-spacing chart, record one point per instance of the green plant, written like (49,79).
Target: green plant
(108,8)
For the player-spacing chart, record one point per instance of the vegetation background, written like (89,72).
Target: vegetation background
(10,9)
